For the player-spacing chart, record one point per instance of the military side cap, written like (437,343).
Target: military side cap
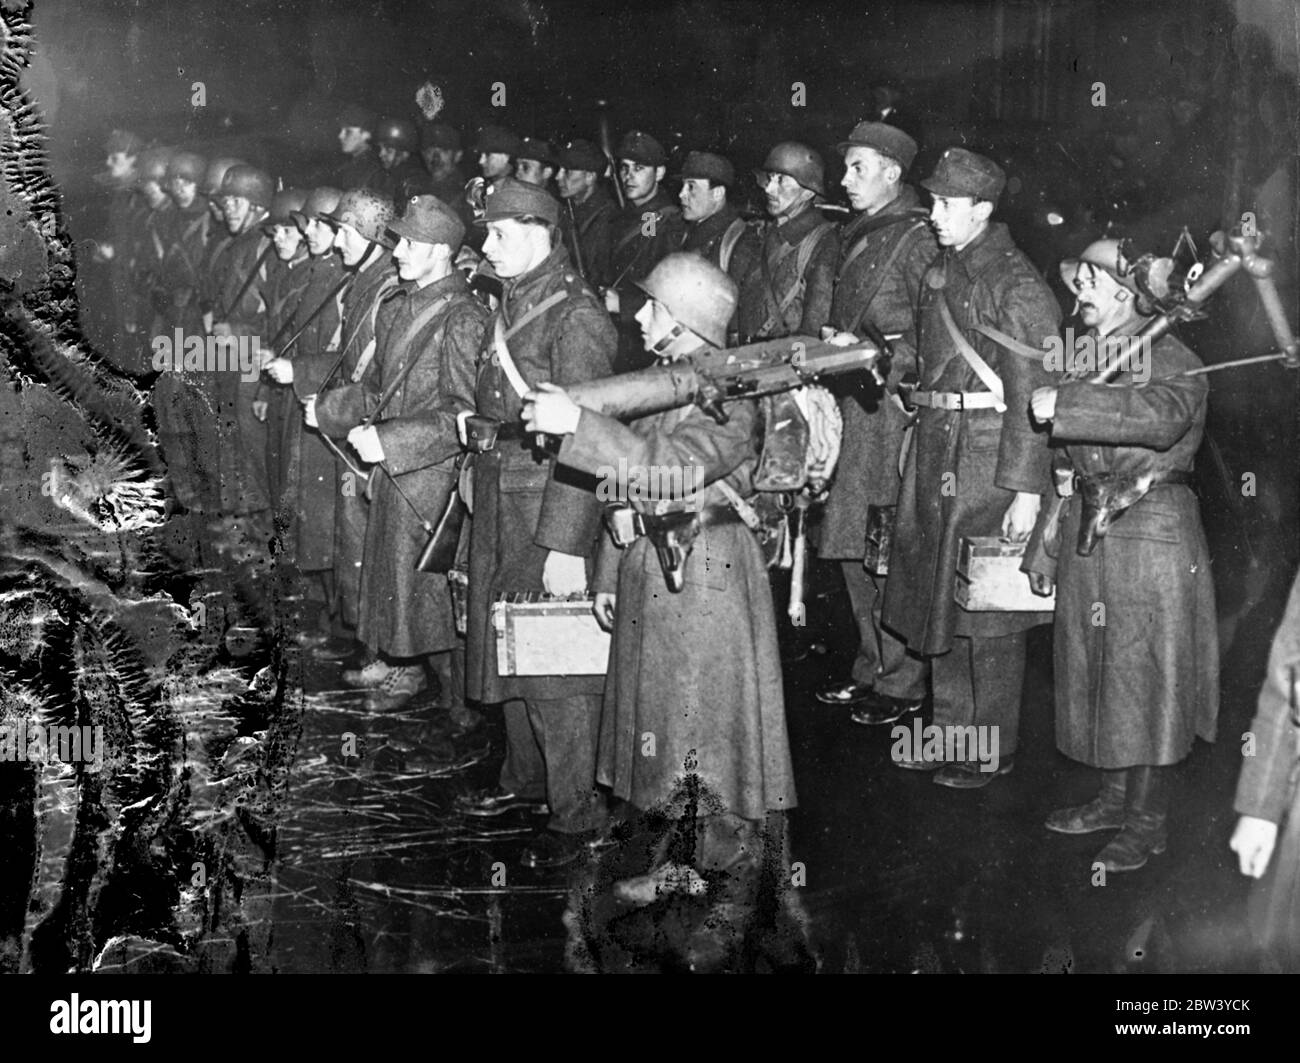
(537,149)
(496,140)
(428,221)
(439,135)
(642,148)
(581,155)
(884,138)
(707,165)
(963,173)
(511,198)
(360,117)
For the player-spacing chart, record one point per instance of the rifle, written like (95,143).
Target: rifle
(713,378)
(608,152)
(248,281)
(577,245)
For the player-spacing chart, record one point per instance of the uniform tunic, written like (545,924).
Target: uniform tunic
(589,226)
(964,467)
(285,288)
(698,670)
(524,505)
(640,235)
(1135,684)
(759,314)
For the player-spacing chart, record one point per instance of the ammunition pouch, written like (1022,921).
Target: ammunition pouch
(783,465)
(1108,496)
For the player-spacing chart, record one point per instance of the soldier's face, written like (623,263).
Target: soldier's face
(183,191)
(287,240)
(353,139)
(235,210)
(639,181)
(655,321)
(319,237)
(390,156)
(494,164)
(419,261)
(957,220)
(783,193)
(533,172)
(699,200)
(574,184)
(351,244)
(1104,303)
(440,160)
(871,179)
(512,247)
(120,165)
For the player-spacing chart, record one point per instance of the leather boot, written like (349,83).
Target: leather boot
(1103,812)
(1144,820)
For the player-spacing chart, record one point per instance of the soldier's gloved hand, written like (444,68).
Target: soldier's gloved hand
(259,409)
(842,339)
(603,607)
(1022,514)
(564,575)
(1253,842)
(265,356)
(365,441)
(280,370)
(1041,585)
(309,412)
(1042,404)
(548,409)
(611,301)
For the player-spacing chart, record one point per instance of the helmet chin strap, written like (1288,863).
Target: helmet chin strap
(667,340)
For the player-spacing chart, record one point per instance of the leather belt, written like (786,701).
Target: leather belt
(627,524)
(1170,476)
(953,400)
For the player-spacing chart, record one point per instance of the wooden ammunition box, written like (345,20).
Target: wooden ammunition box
(989,579)
(537,635)
(880,535)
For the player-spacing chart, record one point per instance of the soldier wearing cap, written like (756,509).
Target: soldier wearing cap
(311,477)
(363,168)
(535,526)
(714,228)
(885,250)
(788,292)
(401,421)
(535,162)
(589,210)
(1132,695)
(975,466)
(649,227)
(496,148)
(360,221)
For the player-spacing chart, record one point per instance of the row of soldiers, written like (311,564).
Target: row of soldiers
(377,354)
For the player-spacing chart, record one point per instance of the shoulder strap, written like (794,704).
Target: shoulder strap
(500,334)
(386,289)
(874,287)
(408,334)
(729,241)
(1009,343)
(807,247)
(914,214)
(982,369)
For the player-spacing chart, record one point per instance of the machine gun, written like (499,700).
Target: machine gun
(712,379)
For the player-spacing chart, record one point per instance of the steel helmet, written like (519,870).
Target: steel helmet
(216,172)
(798,161)
(367,211)
(283,205)
(253,184)
(696,292)
(1108,256)
(188,166)
(152,165)
(319,202)
(396,133)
